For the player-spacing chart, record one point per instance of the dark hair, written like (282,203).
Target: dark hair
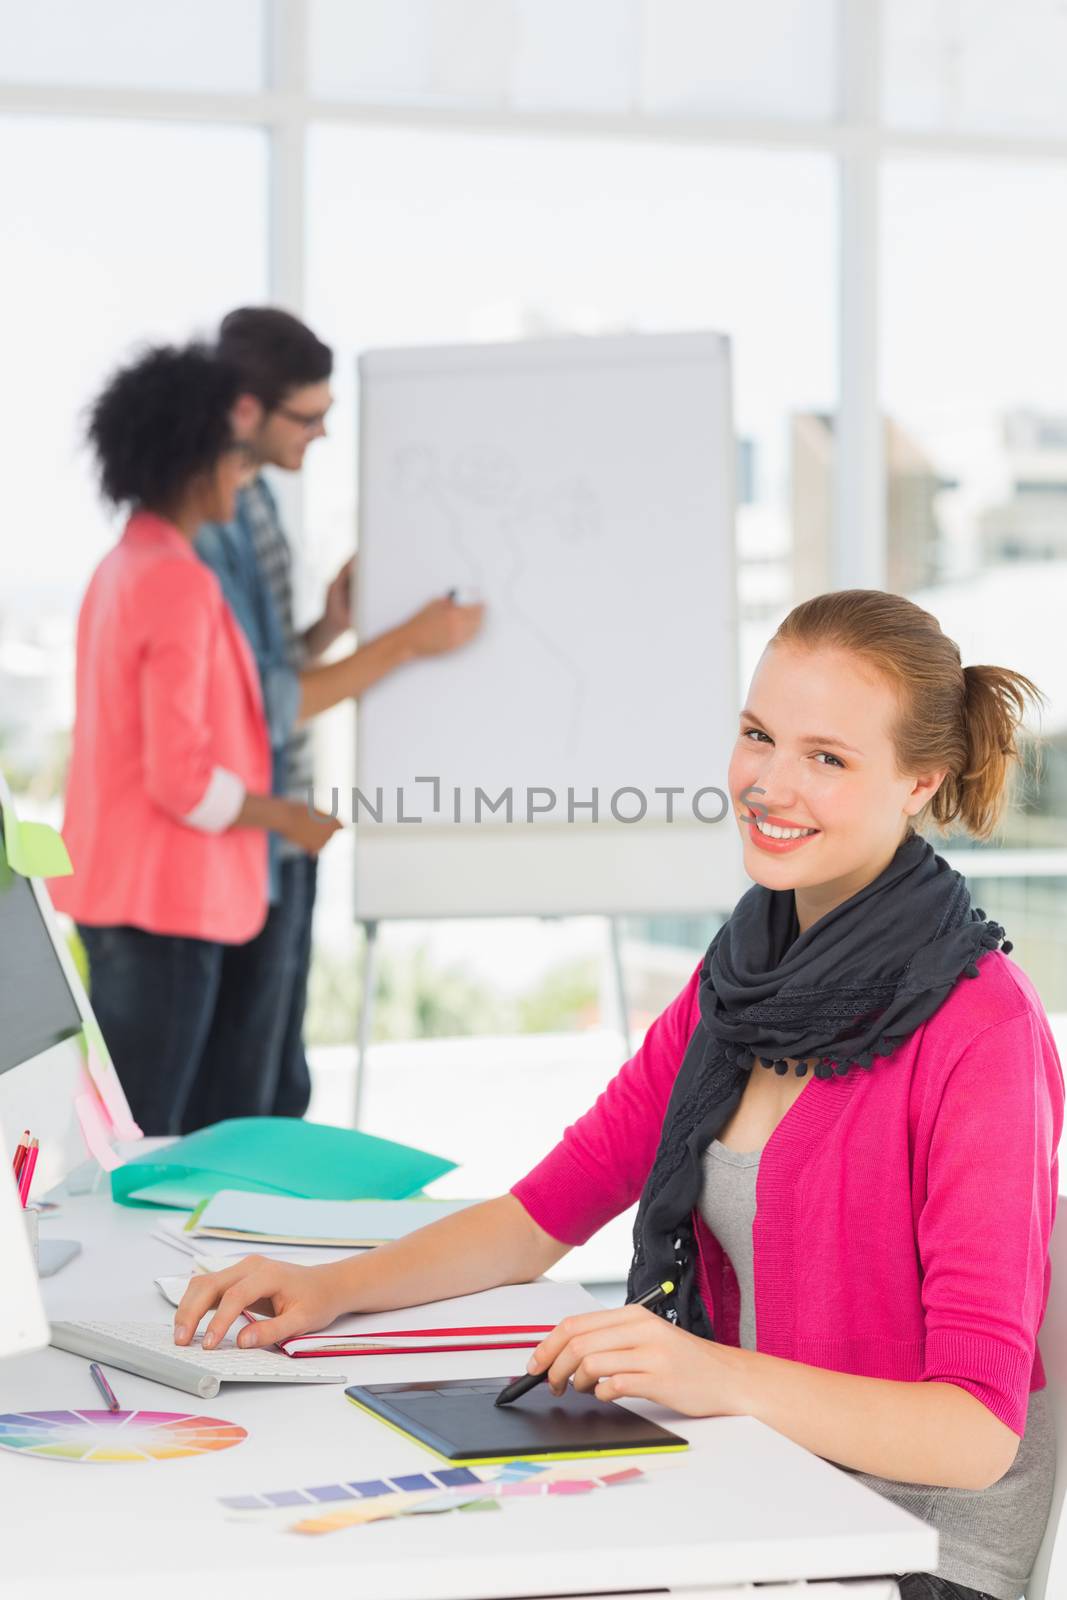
(274,352)
(963,719)
(160,422)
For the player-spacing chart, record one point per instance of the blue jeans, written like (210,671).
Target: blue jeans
(251,1061)
(154,997)
(196,1029)
(244,1056)
(292,1092)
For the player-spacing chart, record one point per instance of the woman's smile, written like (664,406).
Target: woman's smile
(786,837)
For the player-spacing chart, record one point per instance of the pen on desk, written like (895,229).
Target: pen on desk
(110,1397)
(26,1177)
(530,1380)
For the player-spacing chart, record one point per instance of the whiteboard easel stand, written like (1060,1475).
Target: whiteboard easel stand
(366,1014)
(622,1003)
(371,928)
(527,453)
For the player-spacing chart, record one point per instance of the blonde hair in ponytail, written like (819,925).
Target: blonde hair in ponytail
(963,719)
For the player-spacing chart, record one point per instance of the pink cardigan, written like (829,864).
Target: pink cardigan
(167,697)
(903,1215)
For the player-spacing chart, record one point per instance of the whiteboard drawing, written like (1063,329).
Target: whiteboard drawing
(490,519)
(584,488)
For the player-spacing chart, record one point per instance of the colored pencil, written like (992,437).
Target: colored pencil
(110,1397)
(20,1154)
(27,1172)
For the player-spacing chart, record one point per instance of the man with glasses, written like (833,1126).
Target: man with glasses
(285,371)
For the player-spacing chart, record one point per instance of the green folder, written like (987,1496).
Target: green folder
(276,1155)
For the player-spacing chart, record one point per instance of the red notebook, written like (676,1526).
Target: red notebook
(512,1317)
(416,1341)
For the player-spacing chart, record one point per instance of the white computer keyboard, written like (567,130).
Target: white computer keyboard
(148,1349)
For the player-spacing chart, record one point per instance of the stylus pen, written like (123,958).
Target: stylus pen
(530,1380)
(110,1397)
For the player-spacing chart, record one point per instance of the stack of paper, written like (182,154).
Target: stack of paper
(212,1255)
(256,1219)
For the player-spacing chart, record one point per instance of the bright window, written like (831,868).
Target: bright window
(974,347)
(199,44)
(769,58)
(978,66)
(418,237)
(170,234)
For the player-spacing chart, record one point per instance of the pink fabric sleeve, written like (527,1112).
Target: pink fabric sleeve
(983,1231)
(600,1165)
(179,613)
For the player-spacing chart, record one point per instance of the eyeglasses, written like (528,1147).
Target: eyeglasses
(310,421)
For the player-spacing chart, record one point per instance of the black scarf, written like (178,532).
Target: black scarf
(850,989)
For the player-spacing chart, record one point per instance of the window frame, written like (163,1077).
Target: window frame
(857,140)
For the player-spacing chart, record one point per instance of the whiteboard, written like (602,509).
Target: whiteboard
(583,488)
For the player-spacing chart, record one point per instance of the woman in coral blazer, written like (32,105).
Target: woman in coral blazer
(169,794)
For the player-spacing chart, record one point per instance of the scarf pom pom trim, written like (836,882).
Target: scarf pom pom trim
(827,1067)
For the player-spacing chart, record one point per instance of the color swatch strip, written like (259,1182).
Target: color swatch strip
(487,1496)
(359,1501)
(357,1489)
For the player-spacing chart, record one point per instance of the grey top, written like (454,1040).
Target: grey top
(989,1538)
(728,1206)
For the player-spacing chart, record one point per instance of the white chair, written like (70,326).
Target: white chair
(1048,1581)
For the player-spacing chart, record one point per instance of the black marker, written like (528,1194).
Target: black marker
(530,1380)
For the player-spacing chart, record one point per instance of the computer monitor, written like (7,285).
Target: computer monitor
(43,1010)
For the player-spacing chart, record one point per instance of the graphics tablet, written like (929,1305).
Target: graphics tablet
(459,1420)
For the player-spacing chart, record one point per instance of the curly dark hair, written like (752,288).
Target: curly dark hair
(275,352)
(160,422)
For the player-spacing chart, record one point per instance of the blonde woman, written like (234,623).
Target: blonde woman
(842,1132)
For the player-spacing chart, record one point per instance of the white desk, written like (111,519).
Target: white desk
(743,1505)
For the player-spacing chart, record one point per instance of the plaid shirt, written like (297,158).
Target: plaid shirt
(259,511)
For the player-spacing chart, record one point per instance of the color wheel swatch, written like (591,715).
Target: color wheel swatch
(348,1505)
(111,1436)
